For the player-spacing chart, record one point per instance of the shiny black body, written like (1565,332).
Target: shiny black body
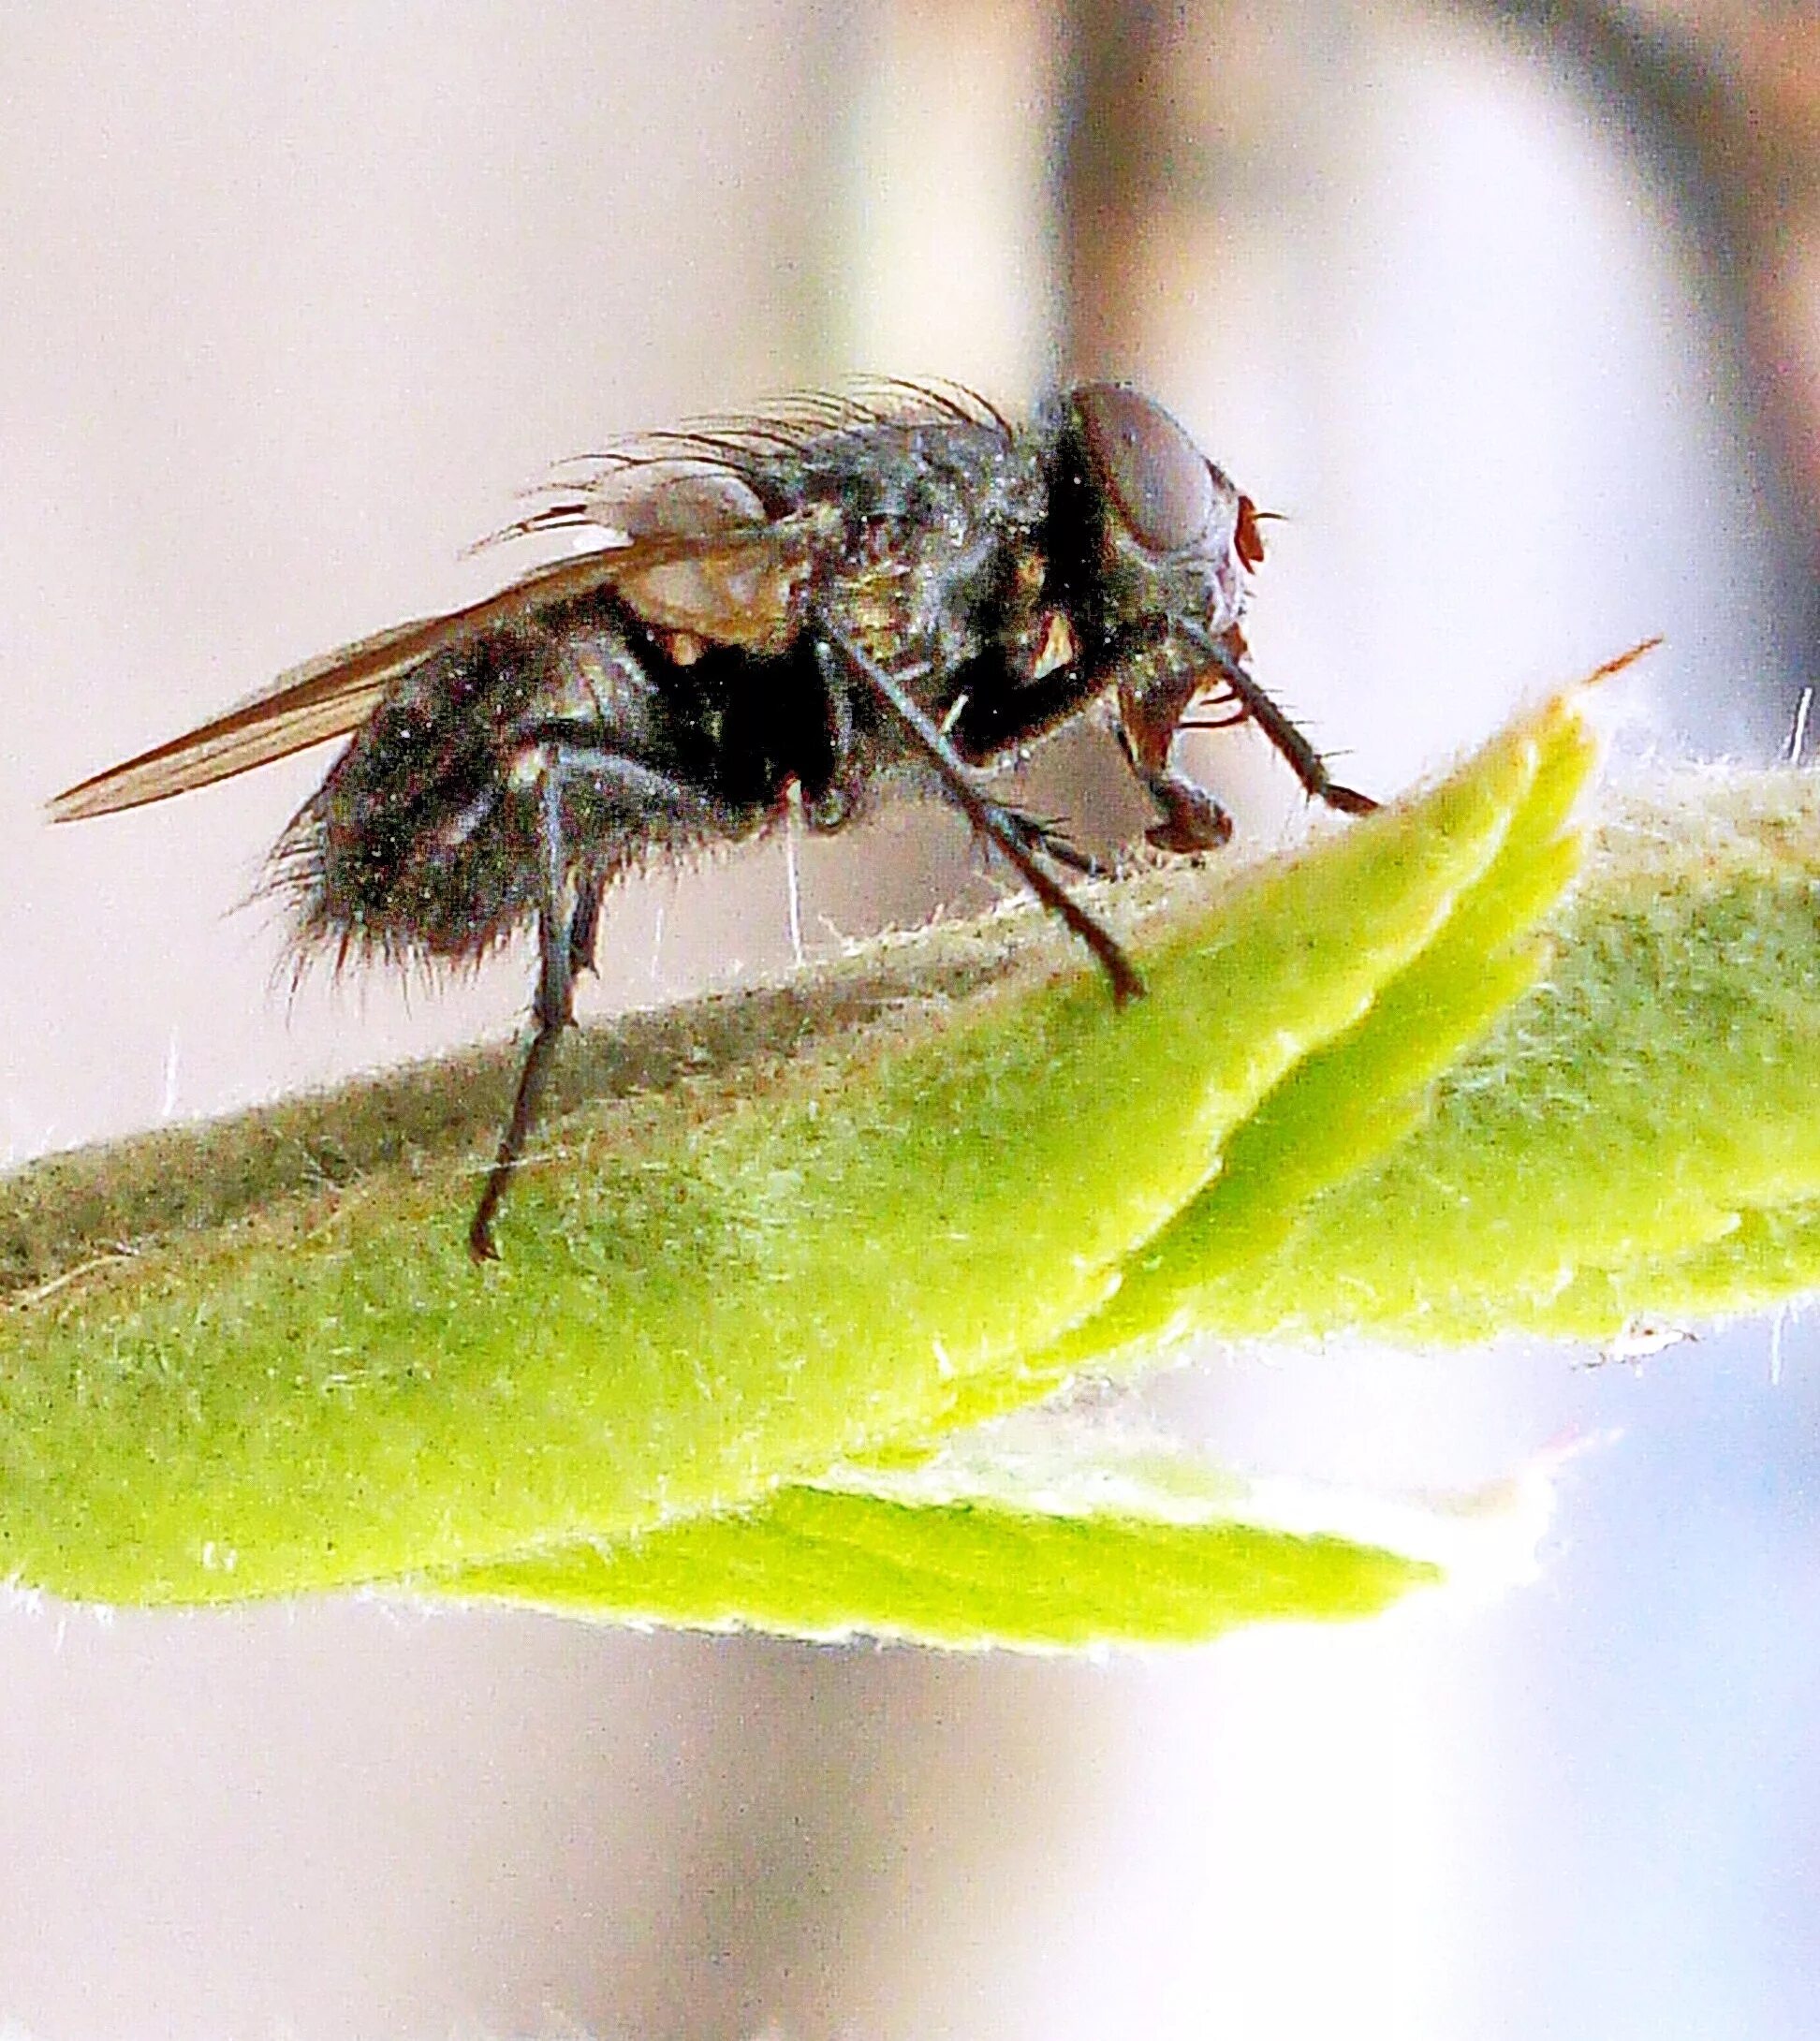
(929,534)
(799,605)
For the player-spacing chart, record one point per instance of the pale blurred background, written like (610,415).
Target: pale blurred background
(1515,310)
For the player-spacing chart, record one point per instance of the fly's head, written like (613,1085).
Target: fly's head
(1145,531)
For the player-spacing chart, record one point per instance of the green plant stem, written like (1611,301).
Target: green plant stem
(1387,1086)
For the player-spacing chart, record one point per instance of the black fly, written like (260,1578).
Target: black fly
(796,603)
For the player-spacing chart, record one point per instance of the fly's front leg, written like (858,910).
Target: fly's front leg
(1006,832)
(1154,698)
(1154,690)
(1155,683)
(567,937)
(1303,760)
(1006,713)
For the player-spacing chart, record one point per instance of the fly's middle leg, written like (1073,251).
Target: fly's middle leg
(1007,831)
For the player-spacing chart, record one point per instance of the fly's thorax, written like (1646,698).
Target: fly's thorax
(922,472)
(939,521)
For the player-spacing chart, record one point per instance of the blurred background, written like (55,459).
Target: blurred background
(1514,310)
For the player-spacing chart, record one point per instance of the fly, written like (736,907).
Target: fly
(788,607)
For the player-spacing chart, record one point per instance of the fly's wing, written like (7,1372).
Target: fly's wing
(732,587)
(321,698)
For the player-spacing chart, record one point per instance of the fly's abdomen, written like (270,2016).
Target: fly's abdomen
(422,841)
(432,838)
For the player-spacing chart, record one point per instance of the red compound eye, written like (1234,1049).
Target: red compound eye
(1249,540)
(1154,474)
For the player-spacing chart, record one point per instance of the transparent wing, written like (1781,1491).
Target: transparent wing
(731,588)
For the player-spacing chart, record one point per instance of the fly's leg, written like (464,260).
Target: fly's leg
(833,806)
(998,718)
(962,732)
(1049,836)
(1008,833)
(1300,755)
(1151,710)
(552,1007)
(567,937)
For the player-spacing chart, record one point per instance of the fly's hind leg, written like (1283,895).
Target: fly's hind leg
(566,936)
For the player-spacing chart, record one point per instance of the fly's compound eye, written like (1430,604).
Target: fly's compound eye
(1248,541)
(1154,474)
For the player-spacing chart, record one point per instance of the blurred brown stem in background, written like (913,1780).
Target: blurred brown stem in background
(1722,99)
(1116,175)
(1165,103)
